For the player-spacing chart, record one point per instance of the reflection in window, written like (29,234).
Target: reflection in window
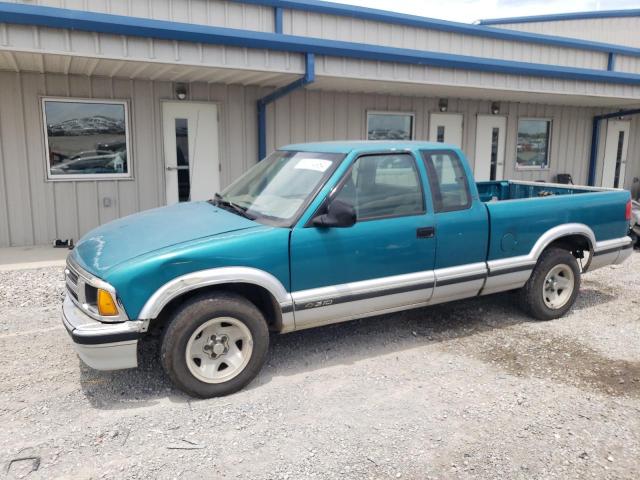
(182,159)
(495,136)
(616,179)
(381,186)
(86,138)
(390,126)
(534,137)
(448,181)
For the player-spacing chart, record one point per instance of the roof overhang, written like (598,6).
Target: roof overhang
(18,61)
(442,90)
(183,32)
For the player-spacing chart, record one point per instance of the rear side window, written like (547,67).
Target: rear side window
(448,181)
(380,186)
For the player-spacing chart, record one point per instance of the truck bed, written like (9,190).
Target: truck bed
(519,212)
(514,190)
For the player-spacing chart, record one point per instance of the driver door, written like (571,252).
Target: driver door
(382,263)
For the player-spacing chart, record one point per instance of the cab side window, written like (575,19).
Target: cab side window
(380,186)
(448,181)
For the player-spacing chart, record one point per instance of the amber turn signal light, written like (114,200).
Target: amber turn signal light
(106,304)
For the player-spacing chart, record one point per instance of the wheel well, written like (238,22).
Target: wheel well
(259,296)
(575,244)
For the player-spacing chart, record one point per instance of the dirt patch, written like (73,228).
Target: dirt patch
(563,360)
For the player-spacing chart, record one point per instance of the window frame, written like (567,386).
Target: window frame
(434,185)
(388,113)
(548,162)
(92,177)
(338,188)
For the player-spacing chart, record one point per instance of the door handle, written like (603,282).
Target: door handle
(180,167)
(426,232)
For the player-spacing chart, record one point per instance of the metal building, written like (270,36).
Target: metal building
(109,107)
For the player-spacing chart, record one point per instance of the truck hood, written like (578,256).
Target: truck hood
(121,240)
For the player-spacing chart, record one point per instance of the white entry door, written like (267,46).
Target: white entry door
(615,153)
(490,145)
(191,155)
(446,128)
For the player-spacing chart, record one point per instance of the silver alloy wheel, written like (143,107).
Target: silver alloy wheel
(558,286)
(219,350)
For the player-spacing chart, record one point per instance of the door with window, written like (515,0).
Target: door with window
(446,128)
(461,225)
(490,146)
(383,261)
(615,153)
(192,164)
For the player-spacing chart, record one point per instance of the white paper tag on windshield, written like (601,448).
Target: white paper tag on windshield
(316,164)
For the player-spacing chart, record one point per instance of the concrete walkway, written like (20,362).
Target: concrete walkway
(20,258)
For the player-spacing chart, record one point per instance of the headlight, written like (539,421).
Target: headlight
(94,296)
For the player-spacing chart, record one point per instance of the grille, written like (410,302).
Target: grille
(72,279)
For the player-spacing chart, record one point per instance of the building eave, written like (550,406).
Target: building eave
(167,30)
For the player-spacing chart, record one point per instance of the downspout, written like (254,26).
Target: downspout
(595,139)
(309,77)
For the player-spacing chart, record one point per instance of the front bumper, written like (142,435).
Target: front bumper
(102,346)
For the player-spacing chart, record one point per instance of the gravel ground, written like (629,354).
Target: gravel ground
(468,390)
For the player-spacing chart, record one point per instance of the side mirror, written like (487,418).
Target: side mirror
(339,214)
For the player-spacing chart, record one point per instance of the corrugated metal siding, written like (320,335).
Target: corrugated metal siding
(130,57)
(316,115)
(204,12)
(619,31)
(260,18)
(33,211)
(378,33)
(633,155)
(628,64)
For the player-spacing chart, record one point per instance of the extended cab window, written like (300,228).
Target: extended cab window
(383,186)
(448,181)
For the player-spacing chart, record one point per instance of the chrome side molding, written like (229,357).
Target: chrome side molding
(337,303)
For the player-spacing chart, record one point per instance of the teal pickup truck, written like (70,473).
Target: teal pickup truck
(323,233)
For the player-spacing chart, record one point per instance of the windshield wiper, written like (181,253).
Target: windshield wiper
(234,207)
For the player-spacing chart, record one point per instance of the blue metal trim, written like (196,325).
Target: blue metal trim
(595,139)
(562,16)
(593,157)
(611,62)
(278,15)
(142,27)
(619,113)
(309,77)
(373,14)
(122,25)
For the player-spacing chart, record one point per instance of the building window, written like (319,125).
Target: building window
(86,139)
(534,140)
(390,126)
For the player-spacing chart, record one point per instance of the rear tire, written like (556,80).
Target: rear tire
(553,286)
(214,345)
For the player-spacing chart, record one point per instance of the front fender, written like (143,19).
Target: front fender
(219,276)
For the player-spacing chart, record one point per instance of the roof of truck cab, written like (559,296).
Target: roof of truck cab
(365,146)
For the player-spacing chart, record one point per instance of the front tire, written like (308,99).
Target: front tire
(214,345)
(553,286)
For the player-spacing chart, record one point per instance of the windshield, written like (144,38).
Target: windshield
(281,185)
